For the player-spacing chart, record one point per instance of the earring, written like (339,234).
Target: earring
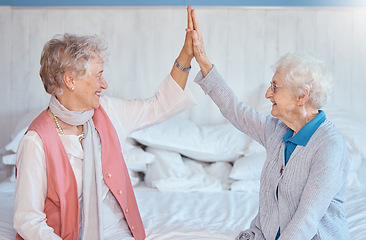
(72,88)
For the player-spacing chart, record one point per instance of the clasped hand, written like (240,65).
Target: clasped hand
(194,42)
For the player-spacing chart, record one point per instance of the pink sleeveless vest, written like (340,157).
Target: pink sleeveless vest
(62,204)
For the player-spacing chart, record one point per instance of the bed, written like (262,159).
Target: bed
(197,181)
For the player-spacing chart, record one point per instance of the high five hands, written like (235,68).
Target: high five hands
(194,34)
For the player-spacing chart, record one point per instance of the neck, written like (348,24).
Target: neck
(302,118)
(68,101)
(64,128)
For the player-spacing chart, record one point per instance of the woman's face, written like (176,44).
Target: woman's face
(284,103)
(87,89)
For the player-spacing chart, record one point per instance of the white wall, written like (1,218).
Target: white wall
(144,41)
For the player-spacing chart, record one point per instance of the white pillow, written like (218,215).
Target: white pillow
(221,171)
(167,164)
(248,167)
(136,158)
(208,143)
(353,183)
(362,172)
(14,143)
(135,178)
(10,159)
(22,126)
(351,125)
(171,172)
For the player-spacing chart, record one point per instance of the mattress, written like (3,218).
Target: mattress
(195,215)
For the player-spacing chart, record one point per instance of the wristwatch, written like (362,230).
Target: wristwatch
(181,67)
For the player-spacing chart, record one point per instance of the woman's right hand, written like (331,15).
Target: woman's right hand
(198,46)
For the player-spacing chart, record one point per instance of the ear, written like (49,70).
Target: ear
(301,100)
(69,80)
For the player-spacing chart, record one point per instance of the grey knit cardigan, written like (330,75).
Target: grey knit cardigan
(311,189)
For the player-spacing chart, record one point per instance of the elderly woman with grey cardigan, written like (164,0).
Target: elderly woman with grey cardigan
(302,185)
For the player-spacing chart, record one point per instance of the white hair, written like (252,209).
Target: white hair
(305,72)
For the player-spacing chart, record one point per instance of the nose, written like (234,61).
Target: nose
(104,84)
(269,93)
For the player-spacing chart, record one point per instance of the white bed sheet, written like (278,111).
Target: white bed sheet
(195,215)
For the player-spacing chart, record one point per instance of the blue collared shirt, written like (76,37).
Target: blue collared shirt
(303,136)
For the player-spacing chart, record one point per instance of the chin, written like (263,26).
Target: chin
(273,113)
(96,106)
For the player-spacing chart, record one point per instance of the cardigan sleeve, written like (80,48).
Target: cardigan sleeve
(243,117)
(254,232)
(31,190)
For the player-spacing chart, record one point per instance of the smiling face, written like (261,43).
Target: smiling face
(88,88)
(285,104)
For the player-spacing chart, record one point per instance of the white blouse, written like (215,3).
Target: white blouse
(126,116)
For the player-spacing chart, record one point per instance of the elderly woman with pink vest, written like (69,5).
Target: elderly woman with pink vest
(72,181)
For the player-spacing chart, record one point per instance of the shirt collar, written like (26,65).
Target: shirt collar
(305,133)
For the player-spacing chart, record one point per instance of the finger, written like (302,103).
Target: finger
(190,21)
(196,25)
(192,34)
(197,44)
(195,39)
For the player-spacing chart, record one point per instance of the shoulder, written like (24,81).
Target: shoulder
(329,144)
(30,147)
(31,137)
(327,131)
(328,137)
(275,128)
(105,101)
(109,103)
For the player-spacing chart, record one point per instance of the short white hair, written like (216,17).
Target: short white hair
(306,72)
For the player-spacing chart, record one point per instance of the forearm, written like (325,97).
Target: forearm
(204,63)
(241,116)
(137,114)
(167,102)
(180,76)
